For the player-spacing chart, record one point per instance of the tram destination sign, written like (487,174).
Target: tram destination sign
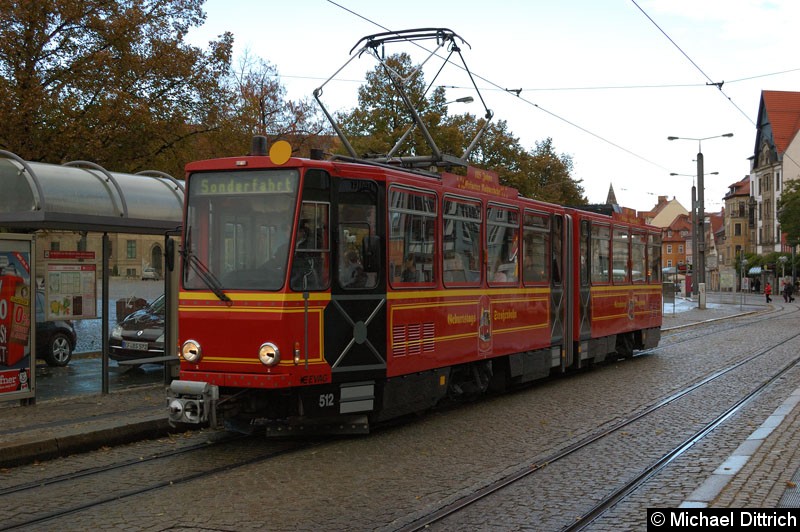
(262,183)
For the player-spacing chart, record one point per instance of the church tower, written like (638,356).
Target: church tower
(612,198)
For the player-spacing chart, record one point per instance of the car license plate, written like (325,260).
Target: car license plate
(136,346)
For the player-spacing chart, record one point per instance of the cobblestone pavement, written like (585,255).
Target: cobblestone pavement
(380,481)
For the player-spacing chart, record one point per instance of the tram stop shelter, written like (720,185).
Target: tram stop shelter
(83,196)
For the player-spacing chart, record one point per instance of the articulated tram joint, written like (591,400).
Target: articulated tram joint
(192,402)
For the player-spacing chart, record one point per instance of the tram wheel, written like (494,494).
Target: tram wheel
(624,345)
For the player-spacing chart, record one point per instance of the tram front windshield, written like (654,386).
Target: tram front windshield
(238,229)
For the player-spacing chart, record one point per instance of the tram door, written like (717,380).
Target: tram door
(584,289)
(557,302)
(355,319)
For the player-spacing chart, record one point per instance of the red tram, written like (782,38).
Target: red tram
(329,295)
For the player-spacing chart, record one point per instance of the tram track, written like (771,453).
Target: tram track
(128,478)
(609,500)
(689,332)
(178,474)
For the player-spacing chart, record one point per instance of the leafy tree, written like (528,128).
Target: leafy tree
(261,107)
(382,118)
(789,211)
(551,173)
(112,82)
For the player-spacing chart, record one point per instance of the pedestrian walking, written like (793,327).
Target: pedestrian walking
(768,292)
(785,291)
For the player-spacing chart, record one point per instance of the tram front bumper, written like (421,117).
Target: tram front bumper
(192,402)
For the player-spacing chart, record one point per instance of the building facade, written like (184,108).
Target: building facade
(774,161)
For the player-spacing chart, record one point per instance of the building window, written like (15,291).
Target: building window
(131,249)
(55,246)
(680,248)
(737,230)
(669,248)
(669,263)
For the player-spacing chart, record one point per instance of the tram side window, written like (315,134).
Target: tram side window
(535,248)
(586,237)
(654,258)
(358,248)
(461,242)
(621,256)
(638,259)
(600,254)
(502,244)
(412,218)
(311,265)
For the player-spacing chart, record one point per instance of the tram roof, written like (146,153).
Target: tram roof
(83,196)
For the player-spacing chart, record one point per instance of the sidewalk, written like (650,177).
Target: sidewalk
(59,427)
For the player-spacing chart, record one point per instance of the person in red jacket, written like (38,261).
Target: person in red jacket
(768,292)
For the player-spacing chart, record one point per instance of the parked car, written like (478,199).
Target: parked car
(140,335)
(55,340)
(150,274)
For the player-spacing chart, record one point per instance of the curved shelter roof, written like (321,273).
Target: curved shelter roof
(84,196)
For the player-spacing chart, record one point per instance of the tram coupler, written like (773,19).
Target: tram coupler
(192,402)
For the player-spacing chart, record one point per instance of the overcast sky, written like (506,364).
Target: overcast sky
(599,77)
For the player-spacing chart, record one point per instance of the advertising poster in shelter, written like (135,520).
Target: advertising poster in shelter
(16,312)
(71,291)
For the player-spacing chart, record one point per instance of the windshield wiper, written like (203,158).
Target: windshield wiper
(205,275)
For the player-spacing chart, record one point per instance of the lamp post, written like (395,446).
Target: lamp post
(695,240)
(783,260)
(741,283)
(698,223)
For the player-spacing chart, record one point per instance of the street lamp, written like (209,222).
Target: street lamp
(692,175)
(783,259)
(464,99)
(698,223)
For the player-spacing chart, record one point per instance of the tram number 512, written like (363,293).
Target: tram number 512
(326,400)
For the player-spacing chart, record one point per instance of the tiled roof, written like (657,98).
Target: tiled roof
(783,113)
(740,188)
(716,221)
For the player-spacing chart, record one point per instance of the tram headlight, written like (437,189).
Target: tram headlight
(268,354)
(191,352)
(116,332)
